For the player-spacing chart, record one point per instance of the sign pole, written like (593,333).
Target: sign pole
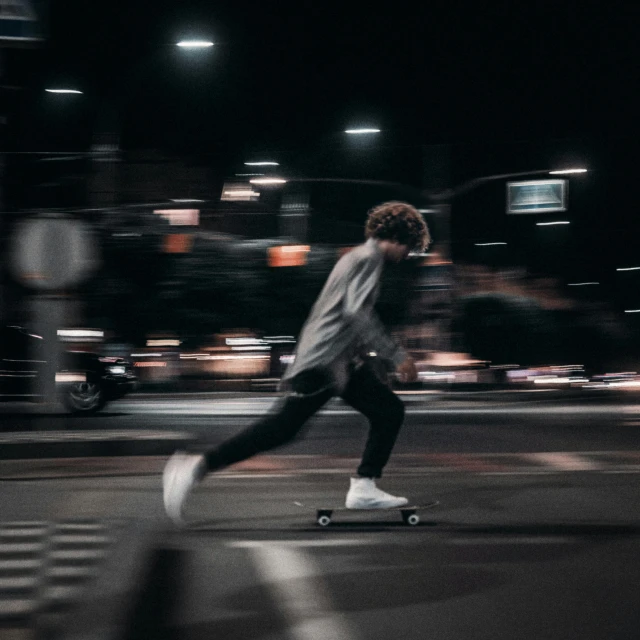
(51,254)
(48,314)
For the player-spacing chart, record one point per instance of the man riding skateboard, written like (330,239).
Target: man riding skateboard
(329,361)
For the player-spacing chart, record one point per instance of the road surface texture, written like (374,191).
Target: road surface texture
(537,534)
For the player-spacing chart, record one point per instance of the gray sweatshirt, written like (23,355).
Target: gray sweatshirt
(342,323)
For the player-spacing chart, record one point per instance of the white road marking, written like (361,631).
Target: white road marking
(21,547)
(19,564)
(28,532)
(18,583)
(80,526)
(297,584)
(511,540)
(17,607)
(77,554)
(14,437)
(75,538)
(254,544)
(259,406)
(565,461)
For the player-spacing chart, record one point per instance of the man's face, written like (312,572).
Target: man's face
(398,252)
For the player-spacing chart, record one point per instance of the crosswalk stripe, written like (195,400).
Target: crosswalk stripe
(22,532)
(20,548)
(45,565)
(17,608)
(18,583)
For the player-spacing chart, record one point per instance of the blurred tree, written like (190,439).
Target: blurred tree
(505,329)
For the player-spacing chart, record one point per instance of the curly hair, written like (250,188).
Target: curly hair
(398,221)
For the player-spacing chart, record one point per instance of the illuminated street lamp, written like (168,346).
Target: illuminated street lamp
(361,131)
(561,172)
(268,181)
(194,44)
(63,90)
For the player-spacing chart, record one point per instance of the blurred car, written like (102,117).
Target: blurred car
(84,381)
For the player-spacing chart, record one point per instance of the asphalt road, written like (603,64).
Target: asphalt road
(502,556)
(432,425)
(537,534)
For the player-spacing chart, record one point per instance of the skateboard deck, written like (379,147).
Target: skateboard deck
(408,512)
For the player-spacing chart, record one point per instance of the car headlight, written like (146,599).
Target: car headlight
(117,369)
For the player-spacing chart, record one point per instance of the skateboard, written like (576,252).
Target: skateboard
(408,512)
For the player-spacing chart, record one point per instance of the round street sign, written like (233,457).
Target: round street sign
(50,253)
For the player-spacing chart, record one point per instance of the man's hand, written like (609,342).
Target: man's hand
(407,371)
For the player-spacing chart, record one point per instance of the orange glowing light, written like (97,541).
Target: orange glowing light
(288,255)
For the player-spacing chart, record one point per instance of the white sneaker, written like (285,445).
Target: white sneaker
(363,494)
(181,472)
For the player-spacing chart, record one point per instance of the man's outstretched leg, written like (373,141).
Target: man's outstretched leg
(184,470)
(385,412)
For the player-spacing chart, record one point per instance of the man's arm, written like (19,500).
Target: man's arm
(359,313)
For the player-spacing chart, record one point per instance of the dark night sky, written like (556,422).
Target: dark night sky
(285,73)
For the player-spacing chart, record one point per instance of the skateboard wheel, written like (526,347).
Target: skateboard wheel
(410,518)
(324,520)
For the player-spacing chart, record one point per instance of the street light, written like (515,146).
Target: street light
(76,91)
(361,131)
(268,181)
(195,44)
(561,172)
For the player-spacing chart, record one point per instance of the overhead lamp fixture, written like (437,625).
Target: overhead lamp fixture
(560,172)
(195,44)
(361,130)
(489,244)
(268,181)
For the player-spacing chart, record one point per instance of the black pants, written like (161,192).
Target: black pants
(364,392)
